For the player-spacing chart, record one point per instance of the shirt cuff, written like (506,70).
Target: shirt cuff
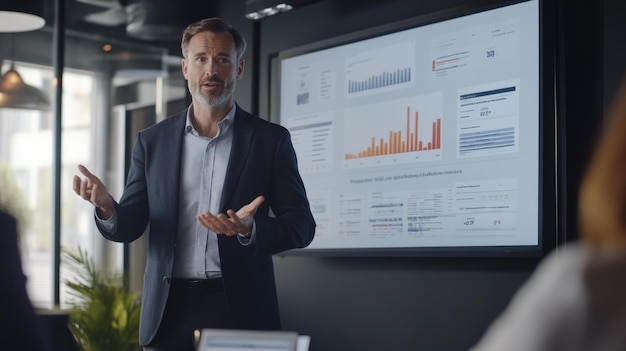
(110,225)
(248,240)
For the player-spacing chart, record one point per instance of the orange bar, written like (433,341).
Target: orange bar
(430,146)
(434,139)
(398,142)
(420,146)
(416,135)
(438,145)
(382,146)
(408,129)
(373,147)
(390,143)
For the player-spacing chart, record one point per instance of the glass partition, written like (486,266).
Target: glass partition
(105,78)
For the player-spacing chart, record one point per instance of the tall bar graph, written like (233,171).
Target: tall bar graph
(399,141)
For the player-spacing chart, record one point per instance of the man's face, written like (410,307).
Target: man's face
(211,68)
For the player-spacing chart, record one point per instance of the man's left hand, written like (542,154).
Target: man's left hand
(232,223)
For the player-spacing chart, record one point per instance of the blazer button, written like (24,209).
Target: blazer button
(166,280)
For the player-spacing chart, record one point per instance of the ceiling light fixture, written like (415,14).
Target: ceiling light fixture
(14,93)
(21,15)
(269,11)
(257,9)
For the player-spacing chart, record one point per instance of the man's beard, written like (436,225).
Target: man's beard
(213,100)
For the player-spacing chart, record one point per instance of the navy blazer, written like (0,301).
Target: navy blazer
(262,162)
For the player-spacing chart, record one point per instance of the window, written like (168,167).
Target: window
(27,153)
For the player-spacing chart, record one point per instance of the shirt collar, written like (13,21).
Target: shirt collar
(228,120)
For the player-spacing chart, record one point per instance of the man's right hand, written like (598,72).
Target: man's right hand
(92,190)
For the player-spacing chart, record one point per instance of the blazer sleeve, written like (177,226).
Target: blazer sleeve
(291,224)
(132,215)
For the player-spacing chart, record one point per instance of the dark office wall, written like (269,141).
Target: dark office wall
(377,303)
(614,48)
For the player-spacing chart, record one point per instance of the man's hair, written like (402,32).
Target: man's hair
(215,25)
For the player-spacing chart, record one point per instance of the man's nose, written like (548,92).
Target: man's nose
(211,68)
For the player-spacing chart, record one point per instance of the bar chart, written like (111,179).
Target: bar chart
(375,71)
(384,79)
(400,131)
(397,142)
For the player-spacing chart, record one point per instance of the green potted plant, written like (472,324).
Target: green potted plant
(104,315)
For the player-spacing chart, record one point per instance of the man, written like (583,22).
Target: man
(207,266)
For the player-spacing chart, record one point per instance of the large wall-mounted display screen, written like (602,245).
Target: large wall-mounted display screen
(424,137)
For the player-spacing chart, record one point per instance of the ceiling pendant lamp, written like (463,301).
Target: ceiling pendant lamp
(14,93)
(21,15)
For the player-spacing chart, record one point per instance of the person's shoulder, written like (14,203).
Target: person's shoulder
(167,124)
(259,122)
(7,220)
(8,235)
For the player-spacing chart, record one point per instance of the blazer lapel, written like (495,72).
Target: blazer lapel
(242,138)
(170,155)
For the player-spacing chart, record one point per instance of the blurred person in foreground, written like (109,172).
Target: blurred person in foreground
(204,181)
(576,299)
(22,328)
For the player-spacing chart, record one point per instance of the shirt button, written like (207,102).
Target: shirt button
(166,280)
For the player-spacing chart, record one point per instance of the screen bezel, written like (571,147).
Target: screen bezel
(548,196)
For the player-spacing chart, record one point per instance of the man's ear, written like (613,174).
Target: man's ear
(183,64)
(240,69)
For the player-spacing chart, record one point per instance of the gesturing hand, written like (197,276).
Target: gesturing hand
(92,190)
(232,222)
